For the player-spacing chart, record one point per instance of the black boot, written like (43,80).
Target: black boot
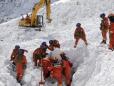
(111,49)
(19,81)
(103,42)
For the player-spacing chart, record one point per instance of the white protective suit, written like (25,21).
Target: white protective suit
(55,55)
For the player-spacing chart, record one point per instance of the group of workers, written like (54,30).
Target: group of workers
(53,51)
(107,25)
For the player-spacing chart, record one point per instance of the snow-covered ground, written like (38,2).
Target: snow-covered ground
(93,64)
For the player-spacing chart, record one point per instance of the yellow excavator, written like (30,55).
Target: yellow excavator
(33,20)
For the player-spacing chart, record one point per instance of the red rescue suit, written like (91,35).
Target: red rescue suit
(67,68)
(111,33)
(38,54)
(45,64)
(56,73)
(104,28)
(20,66)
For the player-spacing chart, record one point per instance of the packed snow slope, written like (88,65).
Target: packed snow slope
(93,64)
(14,8)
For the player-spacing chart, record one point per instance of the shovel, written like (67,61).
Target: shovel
(42,82)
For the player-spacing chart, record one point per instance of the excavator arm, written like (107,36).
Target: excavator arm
(36,9)
(48,8)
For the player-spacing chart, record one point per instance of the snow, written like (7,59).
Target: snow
(93,64)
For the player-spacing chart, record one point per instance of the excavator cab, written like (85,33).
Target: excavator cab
(26,22)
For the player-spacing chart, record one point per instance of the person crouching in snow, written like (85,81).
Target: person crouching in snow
(54,55)
(67,69)
(40,53)
(104,27)
(14,53)
(21,62)
(79,34)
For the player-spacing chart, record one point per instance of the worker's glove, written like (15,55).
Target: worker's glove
(101,28)
(25,66)
(70,64)
(111,32)
(46,54)
(26,51)
(12,58)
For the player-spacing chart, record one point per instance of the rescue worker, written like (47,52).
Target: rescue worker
(54,55)
(20,65)
(104,27)
(67,69)
(79,34)
(111,32)
(56,60)
(40,53)
(14,53)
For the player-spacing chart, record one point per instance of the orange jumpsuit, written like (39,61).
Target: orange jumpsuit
(104,28)
(14,54)
(111,33)
(45,64)
(20,63)
(79,34)
(67,71)
(38,54)
(56,73)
